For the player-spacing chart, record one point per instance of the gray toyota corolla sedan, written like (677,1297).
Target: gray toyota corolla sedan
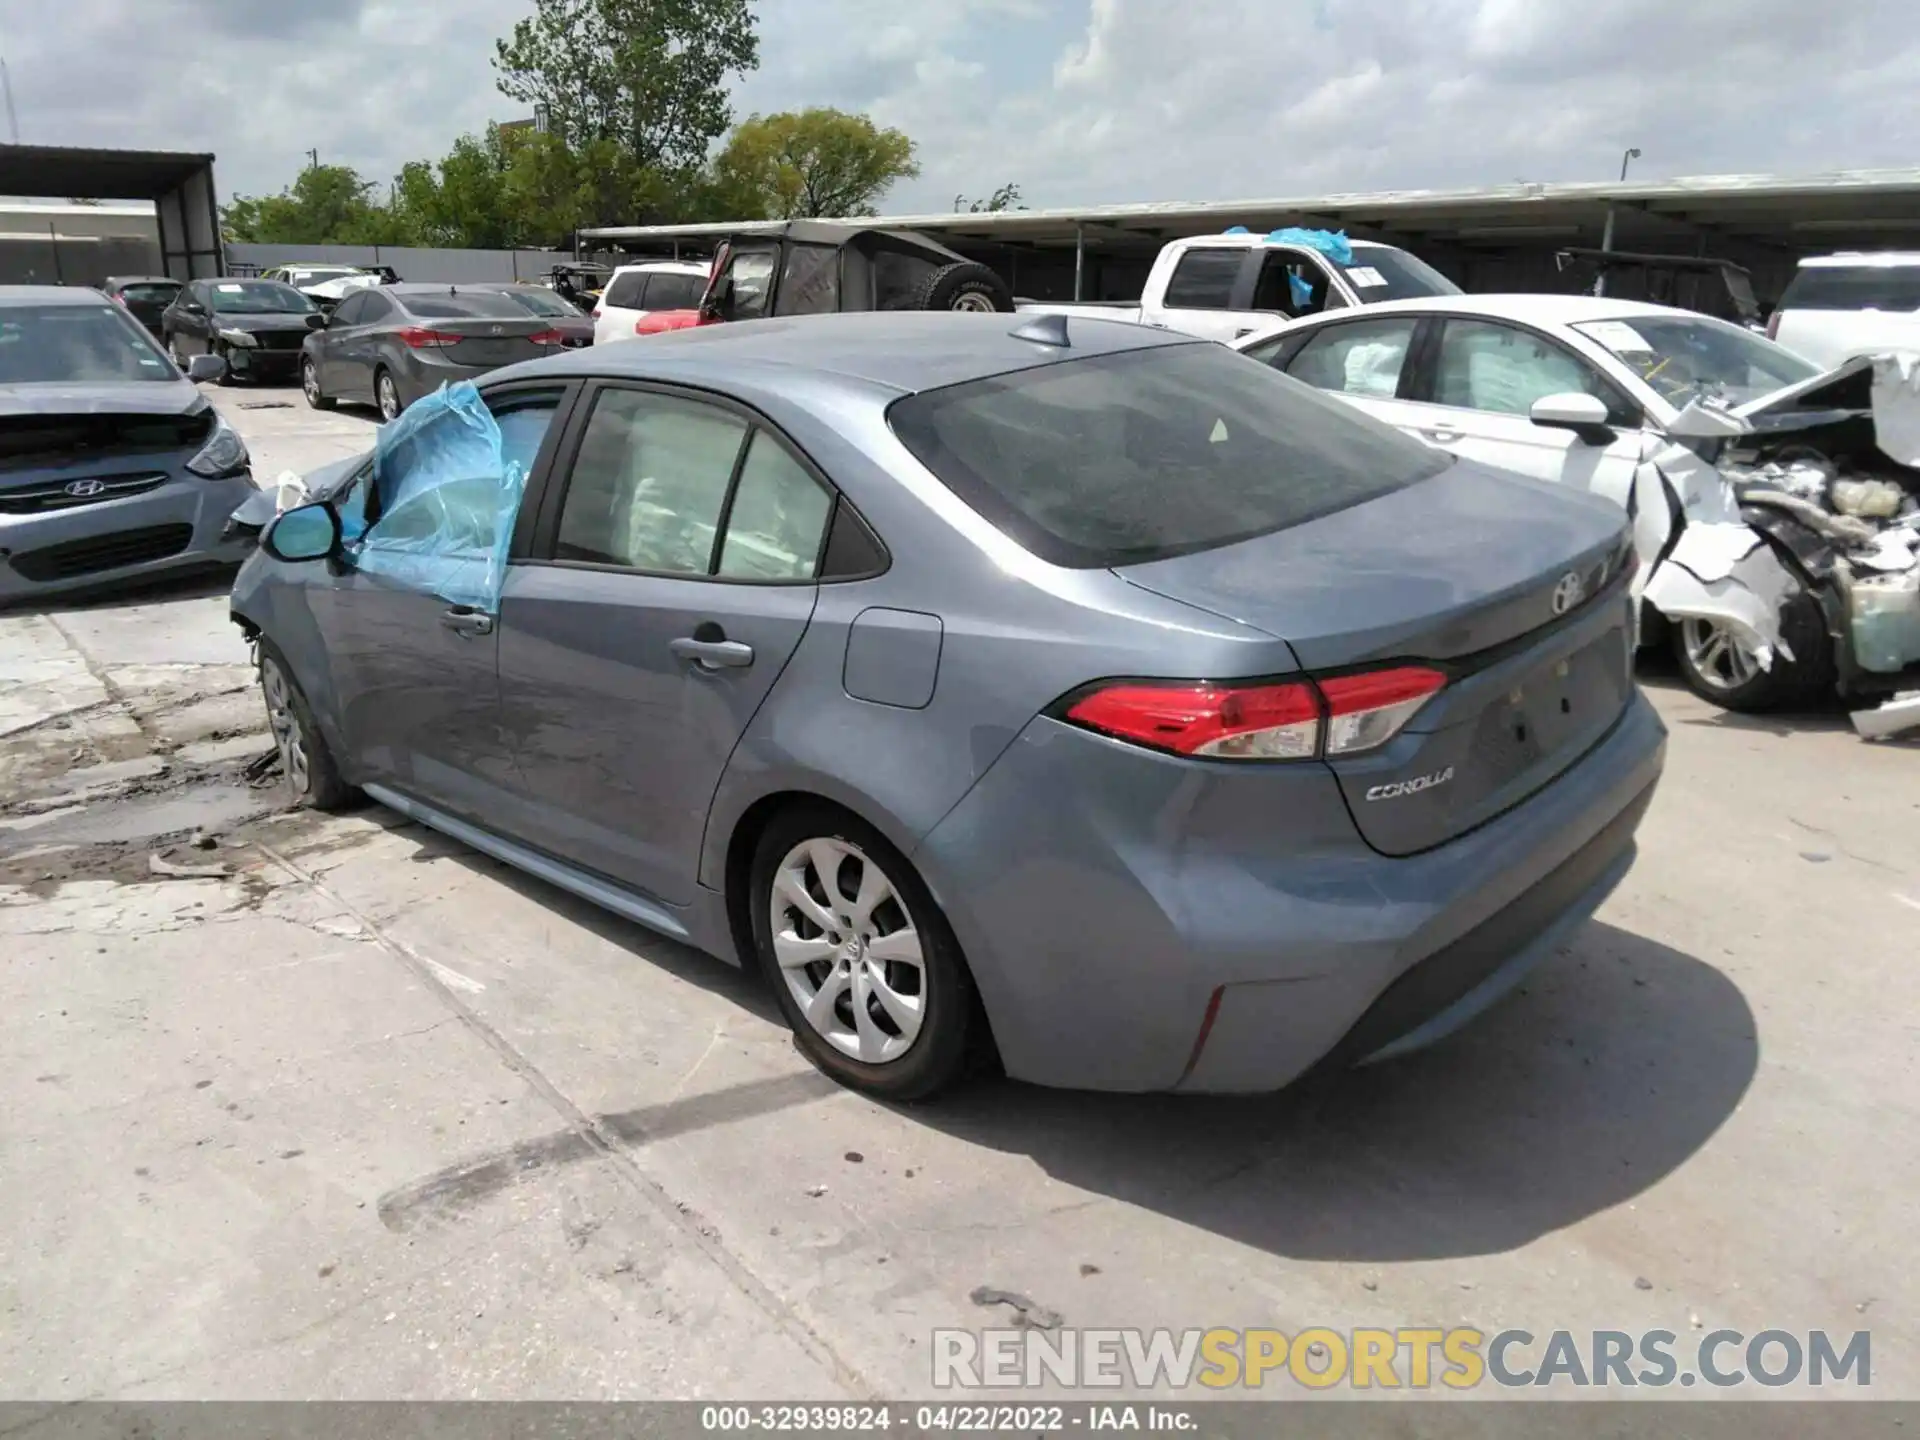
(113,468)
(1062,689)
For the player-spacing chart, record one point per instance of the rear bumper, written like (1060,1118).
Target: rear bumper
(1150,926)
(420,373)
(176,526)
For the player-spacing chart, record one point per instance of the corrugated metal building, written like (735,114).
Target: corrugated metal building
(1503,237)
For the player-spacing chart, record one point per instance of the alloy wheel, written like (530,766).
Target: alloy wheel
(310,381)
(389,397)
(848,950)
(1721,659)
(284,721)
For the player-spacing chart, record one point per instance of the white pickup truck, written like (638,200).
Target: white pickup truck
(1222,287)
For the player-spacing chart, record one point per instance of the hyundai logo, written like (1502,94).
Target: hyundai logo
(81,489)
(1568,593)
(499,330)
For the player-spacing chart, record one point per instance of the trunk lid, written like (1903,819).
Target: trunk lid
(493,342)
(1517,590)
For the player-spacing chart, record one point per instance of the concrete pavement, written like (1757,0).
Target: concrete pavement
(369,1115)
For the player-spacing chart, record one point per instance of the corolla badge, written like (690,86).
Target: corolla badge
(1410,787)
(1568,593)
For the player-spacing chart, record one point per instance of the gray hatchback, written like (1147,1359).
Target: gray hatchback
(113,467)
(1062,690)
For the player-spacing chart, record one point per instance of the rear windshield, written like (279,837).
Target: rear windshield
(76,345)
(1853,287)
(1122,459)
(666,291)
(541,302)
(158,292)
(463,305)
(1388,274)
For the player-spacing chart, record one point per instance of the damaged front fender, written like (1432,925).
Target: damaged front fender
(1726,573)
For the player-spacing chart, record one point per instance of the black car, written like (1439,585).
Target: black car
(145,297)
(811,267)
(256,326)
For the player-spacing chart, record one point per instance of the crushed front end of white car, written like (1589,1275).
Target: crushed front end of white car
(1814,487)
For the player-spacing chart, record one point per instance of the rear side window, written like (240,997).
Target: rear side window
(1203,279)
(463,305)
(810,284)
(667,291)
(1853,287)
(624,292)
(1121,459)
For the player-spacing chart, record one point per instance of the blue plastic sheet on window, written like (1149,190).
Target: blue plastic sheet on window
(449,495)
(1235,230)
(1331,243)
(1302,289)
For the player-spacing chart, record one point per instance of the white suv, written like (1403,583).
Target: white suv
(1857,303)
(637,290)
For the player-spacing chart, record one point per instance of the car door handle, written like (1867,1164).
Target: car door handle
(712,654)
(1442,436)
(464,620)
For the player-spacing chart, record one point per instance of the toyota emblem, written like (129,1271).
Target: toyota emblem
(1568,593)
(81,489)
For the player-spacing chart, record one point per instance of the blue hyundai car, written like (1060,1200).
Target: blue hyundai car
(1066,691)
(113,466)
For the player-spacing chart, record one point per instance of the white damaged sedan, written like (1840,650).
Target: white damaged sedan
(1776,507)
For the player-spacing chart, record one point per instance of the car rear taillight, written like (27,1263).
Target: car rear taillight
(1293,720)
(419,338)
(548,337)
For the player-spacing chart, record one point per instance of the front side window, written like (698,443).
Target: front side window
(1203,279)
(649,483)
(1357,357)
(76,345)
(668,291)
(1122,459)
(1488,366)
(751,272)
(1293,284)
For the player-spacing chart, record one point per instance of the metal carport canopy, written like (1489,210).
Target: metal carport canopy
(1849,209)
(180,185)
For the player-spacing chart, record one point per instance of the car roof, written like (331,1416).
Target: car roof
(901,352)
(49,295)
(141,280)
(1538,309)
(666,267)
(1851,259)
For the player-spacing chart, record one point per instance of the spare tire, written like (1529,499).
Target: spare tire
(967,285)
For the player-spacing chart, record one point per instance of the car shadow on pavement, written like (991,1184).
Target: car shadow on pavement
(194,585)
(1612,1066)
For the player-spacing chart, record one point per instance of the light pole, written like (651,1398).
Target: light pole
(1606,235)
(13,120)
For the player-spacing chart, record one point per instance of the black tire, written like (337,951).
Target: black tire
(227,377)
(938,1054)
(310,386)
(383,382)
(967,285)
(312,776)
(1805,679)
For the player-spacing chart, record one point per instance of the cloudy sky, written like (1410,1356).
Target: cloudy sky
(1079,101)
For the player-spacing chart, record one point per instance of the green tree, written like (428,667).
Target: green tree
(326,205)
(813,162)
(649,75)
(1007,197)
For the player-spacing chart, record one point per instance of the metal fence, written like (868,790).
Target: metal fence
(410,262)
